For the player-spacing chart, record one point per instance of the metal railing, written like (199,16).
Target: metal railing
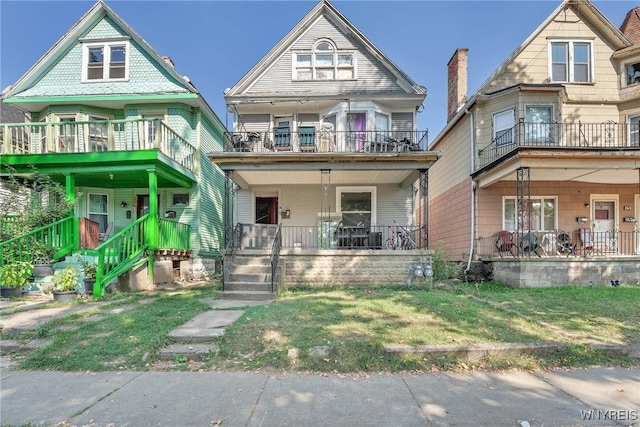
(588,136)
(312,140)
(230,253)
(275,254)
(333,236)
(97,136)
(582,243)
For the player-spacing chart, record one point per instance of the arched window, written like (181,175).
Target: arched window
(324,62)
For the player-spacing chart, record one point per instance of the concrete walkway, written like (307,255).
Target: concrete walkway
(594,397)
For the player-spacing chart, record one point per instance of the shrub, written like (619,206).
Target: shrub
(443,269)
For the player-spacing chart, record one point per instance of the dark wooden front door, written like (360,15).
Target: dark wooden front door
(266,210)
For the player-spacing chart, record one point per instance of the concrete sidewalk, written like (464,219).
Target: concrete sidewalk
(593,397)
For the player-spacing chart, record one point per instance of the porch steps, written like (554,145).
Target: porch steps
(249,279)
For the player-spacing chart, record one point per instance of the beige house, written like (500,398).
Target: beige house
(551,152)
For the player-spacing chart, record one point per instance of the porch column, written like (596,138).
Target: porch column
(523,219)
(70,187)
(228,207)
(423,241)
(153,224)
(325,207)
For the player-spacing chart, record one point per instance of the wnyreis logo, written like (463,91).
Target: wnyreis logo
(609,415)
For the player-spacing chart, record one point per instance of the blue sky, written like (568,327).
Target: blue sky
(215,43)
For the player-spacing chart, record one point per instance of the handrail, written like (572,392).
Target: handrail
(119,253)
(275,254)
(58,234)
(230,253)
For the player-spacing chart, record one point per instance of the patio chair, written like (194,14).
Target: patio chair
(529,244)
(107,233)
(307,135)
(504,243)
(282,136)
(586,241)
(564,244)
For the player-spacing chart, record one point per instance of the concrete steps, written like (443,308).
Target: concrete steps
(249,279)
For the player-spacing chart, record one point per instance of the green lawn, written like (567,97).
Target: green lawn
(345,330)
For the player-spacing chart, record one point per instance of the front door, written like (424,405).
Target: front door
(266,210)
(604,224)
(142,205)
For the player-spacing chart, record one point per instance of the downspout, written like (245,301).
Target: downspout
(473,190)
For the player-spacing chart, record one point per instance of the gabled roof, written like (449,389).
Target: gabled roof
(585,9)
(323,8)
(97,12)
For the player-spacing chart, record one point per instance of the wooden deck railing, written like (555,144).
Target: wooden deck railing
(97,136)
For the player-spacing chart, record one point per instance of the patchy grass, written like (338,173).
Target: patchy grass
(346,330)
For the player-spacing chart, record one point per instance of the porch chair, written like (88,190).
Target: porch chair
(107,233)
(504,243)
(586,241)
(307,135)
(282,136)
(529,244)
(564,244)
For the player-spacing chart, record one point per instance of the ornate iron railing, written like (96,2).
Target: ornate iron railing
(230,253)
(275,254)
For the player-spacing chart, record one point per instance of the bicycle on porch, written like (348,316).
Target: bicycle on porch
(400,239)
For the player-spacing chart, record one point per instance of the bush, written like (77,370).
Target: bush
(443,269)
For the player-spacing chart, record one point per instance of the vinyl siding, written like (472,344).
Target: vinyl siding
(370,74)
(454,165)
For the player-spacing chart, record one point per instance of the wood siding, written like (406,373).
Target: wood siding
(450,221)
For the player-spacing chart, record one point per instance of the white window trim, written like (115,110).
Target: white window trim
(539,198)
(178,205)
(335,52)
(493,125)
(105,68)
(357,189)
(623,73)
(630,118)
(89,211)
(570,74)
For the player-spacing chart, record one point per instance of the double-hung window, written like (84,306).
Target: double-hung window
(539,214)
(632,74)
(324,62)
(106,61)
(503,127)
(571,61)
(357,205)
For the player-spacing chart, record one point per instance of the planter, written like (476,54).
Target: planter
(42,270)
(88,286)
(11,292)
(65,296)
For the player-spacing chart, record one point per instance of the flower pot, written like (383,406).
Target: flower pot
(42,270)
(11,292)
(88,286)
(65,296)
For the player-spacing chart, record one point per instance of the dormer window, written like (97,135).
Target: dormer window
(106,61)
(324,62)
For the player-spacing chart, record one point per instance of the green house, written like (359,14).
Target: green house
(126,135)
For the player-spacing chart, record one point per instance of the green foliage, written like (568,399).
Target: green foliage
(89,268)
(65,279)
(16,274)
(443,269)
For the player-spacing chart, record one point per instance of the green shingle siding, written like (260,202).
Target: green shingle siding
(145,74)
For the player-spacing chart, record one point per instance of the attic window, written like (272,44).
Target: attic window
(105,61)
(324,62)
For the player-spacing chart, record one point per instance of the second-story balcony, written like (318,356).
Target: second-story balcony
(97,137)
(308,139)
(582,136)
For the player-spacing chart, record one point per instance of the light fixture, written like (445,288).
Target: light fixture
(110,176)
(123,204)
(586,205)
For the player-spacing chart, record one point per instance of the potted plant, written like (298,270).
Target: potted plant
(41,256)
(90,270)
(13,277)
(65,284)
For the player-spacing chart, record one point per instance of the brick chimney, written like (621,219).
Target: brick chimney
(457,81)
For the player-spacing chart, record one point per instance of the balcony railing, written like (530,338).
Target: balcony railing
(578,244)
(594,136)
(97,136)
(309,139)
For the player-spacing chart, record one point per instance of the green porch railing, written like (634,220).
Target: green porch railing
(58,235)
(97,136)
(174,235)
